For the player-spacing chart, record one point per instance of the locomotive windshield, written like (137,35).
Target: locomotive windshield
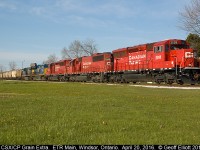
(178,46)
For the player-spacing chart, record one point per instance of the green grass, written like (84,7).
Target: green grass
(76,113)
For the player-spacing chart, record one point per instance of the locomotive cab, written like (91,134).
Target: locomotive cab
(180,53)
(183,58)
(172,57)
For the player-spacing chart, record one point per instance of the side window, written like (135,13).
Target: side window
(155,49)
(161,48)
(158,49)
(120,54)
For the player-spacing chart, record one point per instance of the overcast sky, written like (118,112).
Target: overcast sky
(31,30)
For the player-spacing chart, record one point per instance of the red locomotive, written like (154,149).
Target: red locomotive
(56,70)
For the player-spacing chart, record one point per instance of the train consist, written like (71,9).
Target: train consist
(169,61)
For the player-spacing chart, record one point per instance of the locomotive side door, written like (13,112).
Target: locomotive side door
(52,68)
(108,62)
(167,56)
(159,57)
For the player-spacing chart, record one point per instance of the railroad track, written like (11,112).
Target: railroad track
(146,85)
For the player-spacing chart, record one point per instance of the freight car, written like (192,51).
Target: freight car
(34,72)
(11,75)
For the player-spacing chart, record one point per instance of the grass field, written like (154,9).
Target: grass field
(76,113)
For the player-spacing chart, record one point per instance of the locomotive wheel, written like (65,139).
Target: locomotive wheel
(123,81)
(169,82)
(111,80)
(158,81)
(180,82)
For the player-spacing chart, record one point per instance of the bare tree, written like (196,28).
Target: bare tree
(89,46)
(1,68)
(51,59)
(66,53)
(12,65)
(190,17)
(78,49)
(75,50)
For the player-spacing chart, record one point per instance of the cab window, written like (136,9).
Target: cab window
(62,63)
(158,49)
(98,58)
(178,46)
